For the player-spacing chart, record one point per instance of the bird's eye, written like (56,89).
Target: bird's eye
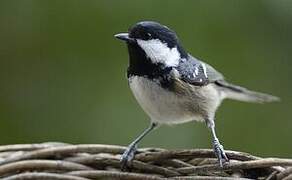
(148,35)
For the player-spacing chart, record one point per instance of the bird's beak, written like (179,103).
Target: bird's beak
(124,37)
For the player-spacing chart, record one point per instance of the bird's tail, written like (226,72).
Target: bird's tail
(242,94)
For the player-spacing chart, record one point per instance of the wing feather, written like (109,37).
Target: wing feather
(197,73)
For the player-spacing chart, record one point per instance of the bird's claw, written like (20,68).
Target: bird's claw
(127,157)
(219,152)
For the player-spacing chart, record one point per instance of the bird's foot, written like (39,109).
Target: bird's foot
(219,152)
(127,157)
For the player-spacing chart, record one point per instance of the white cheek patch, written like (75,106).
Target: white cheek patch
(159,52)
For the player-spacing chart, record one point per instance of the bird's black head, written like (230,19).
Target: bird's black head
(148,30)
(158,41)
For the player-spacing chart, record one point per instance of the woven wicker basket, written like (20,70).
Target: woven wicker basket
(62,161)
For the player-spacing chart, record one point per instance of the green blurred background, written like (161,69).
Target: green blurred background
(62,73)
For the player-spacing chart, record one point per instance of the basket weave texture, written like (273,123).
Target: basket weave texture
(61,161)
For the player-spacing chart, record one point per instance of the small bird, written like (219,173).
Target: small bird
(174,87)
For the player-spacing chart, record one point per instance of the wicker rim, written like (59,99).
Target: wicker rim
(97,161)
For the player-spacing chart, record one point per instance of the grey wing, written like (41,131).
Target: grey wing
(212,73)
(197,72)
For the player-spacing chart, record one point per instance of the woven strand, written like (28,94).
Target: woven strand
(95,161)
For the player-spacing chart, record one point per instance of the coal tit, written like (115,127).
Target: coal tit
(174,87)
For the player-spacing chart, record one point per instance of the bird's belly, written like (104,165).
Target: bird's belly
(161,105)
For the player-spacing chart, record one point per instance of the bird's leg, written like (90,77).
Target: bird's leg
(217,147)
(129,153)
